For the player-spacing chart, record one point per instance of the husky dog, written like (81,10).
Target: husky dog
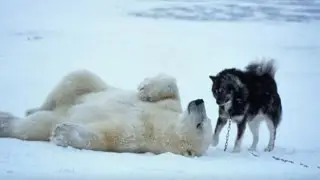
(248,96)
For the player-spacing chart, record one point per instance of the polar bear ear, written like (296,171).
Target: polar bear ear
(213,78)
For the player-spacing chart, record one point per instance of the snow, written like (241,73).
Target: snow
(124,41)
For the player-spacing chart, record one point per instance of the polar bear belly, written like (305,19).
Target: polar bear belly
(114,117)
(104,106)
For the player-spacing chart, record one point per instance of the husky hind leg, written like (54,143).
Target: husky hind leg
(273,120)
(272,127)
(254,126)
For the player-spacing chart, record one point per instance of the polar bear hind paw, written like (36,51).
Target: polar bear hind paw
(6,120)
(31,111)
(67,134)
(189,153)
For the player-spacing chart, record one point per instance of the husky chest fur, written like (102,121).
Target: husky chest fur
(247,97)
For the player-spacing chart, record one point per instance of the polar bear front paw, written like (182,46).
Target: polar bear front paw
(71,135)
(158,88)
(144,91)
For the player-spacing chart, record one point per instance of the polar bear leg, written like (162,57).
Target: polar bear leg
(6,121)
(69,88)
(99,136)
(158,88)
(36,127)
(77,136)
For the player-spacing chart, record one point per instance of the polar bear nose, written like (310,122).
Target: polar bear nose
(199,102)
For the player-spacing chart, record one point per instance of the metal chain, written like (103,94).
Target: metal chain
(273,157)
(227,135)
(287,161)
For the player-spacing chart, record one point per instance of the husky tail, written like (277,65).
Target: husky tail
(263,67)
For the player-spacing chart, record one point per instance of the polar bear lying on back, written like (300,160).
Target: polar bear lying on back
(84,112)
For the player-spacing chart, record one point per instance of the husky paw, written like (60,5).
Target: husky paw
(269,148)
(252,148)
(215,141)
(236,150)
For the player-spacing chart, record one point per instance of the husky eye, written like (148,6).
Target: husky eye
(229,88)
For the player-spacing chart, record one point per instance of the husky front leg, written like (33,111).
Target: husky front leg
(241,126)
(221,122)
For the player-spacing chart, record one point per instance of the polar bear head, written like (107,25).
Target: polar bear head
(196,126)
(196,115)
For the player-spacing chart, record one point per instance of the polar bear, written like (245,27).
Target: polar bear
(84,112)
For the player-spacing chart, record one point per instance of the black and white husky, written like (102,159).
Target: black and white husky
(248,96)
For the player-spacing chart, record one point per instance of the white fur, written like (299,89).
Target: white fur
(84,112)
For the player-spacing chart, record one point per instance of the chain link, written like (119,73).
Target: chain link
(227,135)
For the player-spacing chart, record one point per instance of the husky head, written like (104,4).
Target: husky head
(226,86)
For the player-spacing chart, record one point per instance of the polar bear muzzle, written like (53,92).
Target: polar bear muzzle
(196,108)
(196,105)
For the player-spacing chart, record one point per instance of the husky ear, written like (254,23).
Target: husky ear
(213,78)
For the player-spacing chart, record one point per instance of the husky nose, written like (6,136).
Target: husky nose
(218,102)
(199,102)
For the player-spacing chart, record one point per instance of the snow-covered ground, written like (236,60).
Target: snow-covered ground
(124,41)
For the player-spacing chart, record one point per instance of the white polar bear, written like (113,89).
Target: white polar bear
(84,112)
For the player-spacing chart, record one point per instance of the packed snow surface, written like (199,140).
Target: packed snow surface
(123,41)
